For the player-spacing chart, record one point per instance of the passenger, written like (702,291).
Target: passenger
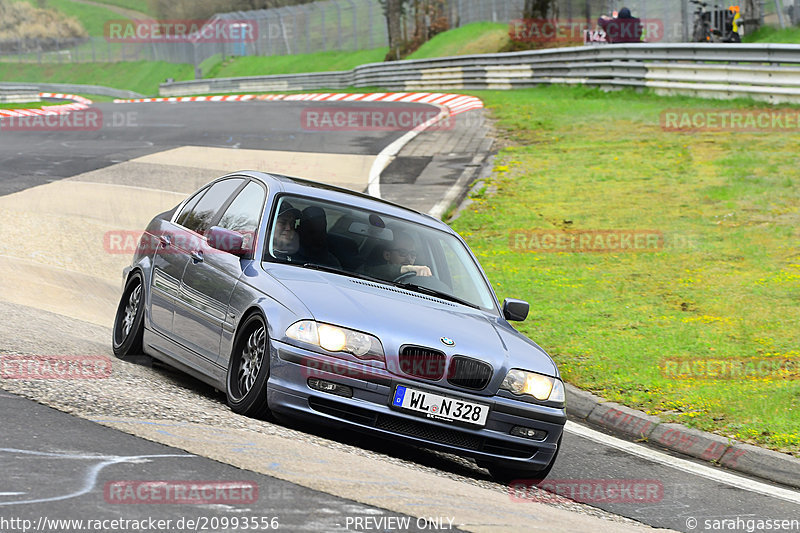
(313,233)
(400,258)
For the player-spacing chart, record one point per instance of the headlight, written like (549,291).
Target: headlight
(541,387)
(337,339)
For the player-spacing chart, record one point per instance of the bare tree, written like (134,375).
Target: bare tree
(539,9)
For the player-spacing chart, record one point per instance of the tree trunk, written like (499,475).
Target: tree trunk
(393,26)
(751,15)
(538,9)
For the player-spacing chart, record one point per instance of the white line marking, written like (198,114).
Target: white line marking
(90,477)
(677,463)
(385,156)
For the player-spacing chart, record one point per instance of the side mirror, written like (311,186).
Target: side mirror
(516,310)
(226,240)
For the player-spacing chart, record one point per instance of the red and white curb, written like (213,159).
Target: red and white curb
(449,104)
(453,103)
(79,102)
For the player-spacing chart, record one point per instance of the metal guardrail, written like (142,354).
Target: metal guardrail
(13,94)
(74,89)
(769,72)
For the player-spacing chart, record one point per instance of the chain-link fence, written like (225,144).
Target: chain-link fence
(781,13)
(358,25)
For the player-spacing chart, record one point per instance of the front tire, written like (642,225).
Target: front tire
(129,321)
(248,369)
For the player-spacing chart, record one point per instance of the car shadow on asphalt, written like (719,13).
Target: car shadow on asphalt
(443,463)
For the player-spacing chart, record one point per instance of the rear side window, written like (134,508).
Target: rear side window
(181,219)
(198,218)
(245,211)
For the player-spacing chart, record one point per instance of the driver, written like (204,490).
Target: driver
(400,258)
(285,241)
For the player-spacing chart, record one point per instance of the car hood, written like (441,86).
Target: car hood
(402,317)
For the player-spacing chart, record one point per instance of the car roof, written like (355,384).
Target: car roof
(324,191)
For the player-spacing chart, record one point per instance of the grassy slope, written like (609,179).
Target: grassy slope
(142,76)
(318,62)
(726,287)
(134,5)
(93,18)
(475,38)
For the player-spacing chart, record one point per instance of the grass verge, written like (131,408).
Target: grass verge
(725,285)
(475,38)
(24,105)
(767,34)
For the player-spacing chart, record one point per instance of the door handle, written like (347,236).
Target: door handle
(165,240)
(196,256)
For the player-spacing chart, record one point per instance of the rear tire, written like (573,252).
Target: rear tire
(505,475)
(248,369)
(129,321)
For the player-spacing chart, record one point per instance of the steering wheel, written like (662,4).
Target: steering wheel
(404,276)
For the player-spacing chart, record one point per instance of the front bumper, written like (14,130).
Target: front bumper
(369,410)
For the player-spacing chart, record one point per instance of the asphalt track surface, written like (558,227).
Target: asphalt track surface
(687,501)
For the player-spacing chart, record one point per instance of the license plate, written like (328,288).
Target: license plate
(440,407)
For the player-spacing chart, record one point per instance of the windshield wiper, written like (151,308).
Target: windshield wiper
(433,292)
(335,270)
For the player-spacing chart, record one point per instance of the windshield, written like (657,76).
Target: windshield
(352,241)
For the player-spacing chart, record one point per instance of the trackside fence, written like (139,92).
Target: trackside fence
(767,72)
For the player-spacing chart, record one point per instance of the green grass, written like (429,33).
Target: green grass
(475,38)
(140,76)
(24,105)
(318,62)
(93,18)
(725,286)
(767,34)
(134,5)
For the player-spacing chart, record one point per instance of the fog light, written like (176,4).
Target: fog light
(528,433)
(330,387)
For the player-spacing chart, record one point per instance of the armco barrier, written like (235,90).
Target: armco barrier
(73,88)
(769,72)
(12,94)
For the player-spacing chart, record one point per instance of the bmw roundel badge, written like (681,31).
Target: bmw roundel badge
(447,341)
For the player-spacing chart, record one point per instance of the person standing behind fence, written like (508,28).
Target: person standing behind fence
(624,28)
